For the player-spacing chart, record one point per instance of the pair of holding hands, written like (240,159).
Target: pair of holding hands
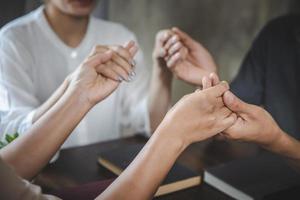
(102,72)
(231,117)
(215,110)
(197,116)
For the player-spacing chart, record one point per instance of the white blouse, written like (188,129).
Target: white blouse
(34,62)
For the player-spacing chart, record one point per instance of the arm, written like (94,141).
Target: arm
(86,88)
(161,82)
(175,53)
(255,124)
(187,122)
(286,146)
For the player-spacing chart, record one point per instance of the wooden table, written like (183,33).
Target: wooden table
(76,166)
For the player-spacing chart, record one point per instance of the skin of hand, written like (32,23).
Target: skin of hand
(255,124)
(215,115)
(86,88)
(194,118)
(119,68)
(186,58)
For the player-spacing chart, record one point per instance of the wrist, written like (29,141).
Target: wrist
(170,139)
(162,73)
(78,97)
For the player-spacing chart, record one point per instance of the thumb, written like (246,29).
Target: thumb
(131,47)
(235,104)
(185,38)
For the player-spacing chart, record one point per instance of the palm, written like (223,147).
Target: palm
(189,72)
(201,58)
(97,86)
(100,87)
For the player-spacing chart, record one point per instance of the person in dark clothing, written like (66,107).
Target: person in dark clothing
(267,84)
(269,75)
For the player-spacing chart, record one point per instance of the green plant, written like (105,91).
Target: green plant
(8,139)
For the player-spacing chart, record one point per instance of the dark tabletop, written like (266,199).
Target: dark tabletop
(77,166)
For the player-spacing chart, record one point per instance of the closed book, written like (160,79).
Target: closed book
(258,177)
(179,177)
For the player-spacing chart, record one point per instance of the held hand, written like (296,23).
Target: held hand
(121,66)
(187,58)
(88,80)
(254,124)
(199,115)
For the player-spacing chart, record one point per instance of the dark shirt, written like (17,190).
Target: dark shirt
(270,73)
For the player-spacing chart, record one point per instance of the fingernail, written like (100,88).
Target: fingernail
(174,39)
(225,83)
(120,78)
(133,63)
(132,74)
(129,79)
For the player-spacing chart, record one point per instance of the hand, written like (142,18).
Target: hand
(199,115)
(159,52)
(122,61)
(253,124)
(187,58)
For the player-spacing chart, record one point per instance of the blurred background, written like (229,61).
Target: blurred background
(225,27)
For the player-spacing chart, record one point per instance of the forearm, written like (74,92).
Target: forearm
(46,136)
(286,146)
(160,96)
(40,111)
(142,177)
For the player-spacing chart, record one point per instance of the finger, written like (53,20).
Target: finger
(131,47)
(215,79)
(171,41)
(218,90)
(174,60)
(206,82)
(182,55)
(122,63)
(133,50)
(109,73)
(224,112)
(121,72)
(164,36)
(129,44)
(98,59)
(229,121)
(175,48)
(235,104)
(185,38)
(123,52)
(117,58)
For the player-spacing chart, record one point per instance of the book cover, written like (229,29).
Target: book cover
(179,177)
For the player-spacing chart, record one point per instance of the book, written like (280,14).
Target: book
(258,177)
(179,177)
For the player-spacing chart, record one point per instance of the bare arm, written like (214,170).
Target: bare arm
(160,96)
(187,122)
(286,146)
(29,153)
(50,102)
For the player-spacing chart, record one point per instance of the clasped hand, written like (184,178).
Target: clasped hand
(102,72)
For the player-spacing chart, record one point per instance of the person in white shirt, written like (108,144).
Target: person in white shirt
(38,51)
(36,58)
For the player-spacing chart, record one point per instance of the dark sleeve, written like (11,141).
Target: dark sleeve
(249,83)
